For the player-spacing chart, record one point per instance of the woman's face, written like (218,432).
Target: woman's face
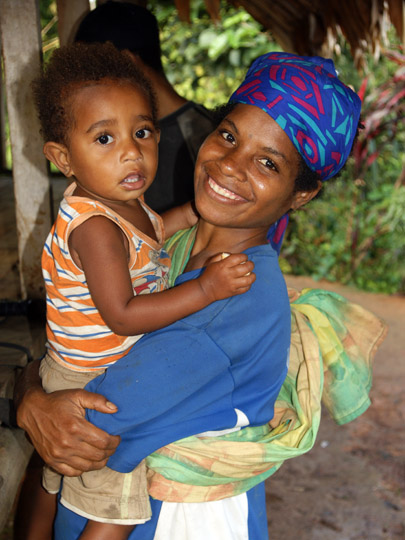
(245,171)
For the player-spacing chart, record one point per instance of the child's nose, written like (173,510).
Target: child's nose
(131,149)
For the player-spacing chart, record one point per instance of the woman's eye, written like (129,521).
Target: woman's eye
(143,133)
(105,139)
(227,136)
(268,163)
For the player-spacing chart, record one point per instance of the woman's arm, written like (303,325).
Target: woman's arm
(57,427)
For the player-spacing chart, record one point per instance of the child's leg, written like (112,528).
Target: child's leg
(105,531)
(102,494)
(36,509)
(108,498)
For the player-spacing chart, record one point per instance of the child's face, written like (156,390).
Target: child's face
(246,170)
(113,144)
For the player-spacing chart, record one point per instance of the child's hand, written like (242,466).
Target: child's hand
(227,275)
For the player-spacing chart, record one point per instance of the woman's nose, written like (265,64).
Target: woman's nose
(232,164)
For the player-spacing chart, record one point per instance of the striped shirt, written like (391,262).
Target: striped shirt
(77,336)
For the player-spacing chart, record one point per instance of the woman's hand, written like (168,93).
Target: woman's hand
(56,425)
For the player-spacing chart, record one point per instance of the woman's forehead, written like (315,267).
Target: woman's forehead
(257,126)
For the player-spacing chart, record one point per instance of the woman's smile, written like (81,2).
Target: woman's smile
(223,192)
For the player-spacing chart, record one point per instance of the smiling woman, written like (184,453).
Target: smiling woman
(216,374)
(249,167)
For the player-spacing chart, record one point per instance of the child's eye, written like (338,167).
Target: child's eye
(105,139)
(143,133)
(227,136)
(268,163)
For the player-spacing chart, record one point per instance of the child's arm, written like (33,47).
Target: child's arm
(105,531)
(180,217)
(100,248)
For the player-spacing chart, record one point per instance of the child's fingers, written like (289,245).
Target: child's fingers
(238,262)
(242,269)
(233,259)
(216,258)
(245,281)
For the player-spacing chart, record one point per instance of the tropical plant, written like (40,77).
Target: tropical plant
(206,60)
(356,232)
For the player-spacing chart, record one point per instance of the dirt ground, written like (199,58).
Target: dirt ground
(351,485)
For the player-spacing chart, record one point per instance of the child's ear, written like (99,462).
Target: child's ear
(59,155)
(303,197)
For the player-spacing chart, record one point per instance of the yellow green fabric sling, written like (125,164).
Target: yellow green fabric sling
(332,345)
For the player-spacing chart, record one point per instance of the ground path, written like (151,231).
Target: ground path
(351,485)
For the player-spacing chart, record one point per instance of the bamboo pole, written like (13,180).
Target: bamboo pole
(21,43)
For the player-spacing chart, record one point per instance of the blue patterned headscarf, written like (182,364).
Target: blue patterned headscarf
(314,108)
(307,100)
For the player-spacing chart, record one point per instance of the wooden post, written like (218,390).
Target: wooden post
(2,123)
(21,41)
(70,12)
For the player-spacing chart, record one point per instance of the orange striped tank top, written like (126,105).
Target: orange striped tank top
(77,336)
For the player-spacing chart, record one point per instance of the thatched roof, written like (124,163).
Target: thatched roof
(311,27)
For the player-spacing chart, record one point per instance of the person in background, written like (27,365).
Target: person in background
(183,124)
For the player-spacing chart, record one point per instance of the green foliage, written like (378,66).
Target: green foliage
(206,61)
(355,232)
(49,27)
(351,236)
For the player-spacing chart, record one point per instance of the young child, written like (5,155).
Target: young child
(104,254)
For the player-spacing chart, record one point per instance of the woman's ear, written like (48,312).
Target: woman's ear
(59,155)
(303,197)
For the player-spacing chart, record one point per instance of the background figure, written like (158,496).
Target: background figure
(184,124)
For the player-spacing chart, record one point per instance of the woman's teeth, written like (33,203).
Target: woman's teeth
(221,191)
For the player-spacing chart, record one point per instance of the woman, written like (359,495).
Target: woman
(288,127)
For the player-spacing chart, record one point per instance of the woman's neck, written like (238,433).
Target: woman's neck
(211,240)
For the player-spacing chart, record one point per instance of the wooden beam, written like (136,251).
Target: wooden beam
(70,13)
(21,42)
(2,122)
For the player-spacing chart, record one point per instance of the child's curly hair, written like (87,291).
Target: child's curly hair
(73,66)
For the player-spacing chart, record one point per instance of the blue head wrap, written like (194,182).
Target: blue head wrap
(307,100)
(314,108)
